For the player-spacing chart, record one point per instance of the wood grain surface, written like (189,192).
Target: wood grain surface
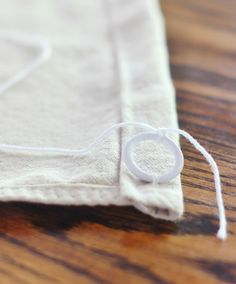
(55,244)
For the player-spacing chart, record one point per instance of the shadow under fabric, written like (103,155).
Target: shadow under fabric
(109,64)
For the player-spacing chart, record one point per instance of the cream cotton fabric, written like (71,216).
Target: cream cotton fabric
(109,64)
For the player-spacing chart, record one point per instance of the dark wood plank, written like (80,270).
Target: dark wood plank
(56,244)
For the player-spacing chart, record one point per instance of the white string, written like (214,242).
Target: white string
(82,151)
(222,232)
(26,40)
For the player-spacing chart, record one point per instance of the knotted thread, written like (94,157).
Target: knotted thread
(222,232)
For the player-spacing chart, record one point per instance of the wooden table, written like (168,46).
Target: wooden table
(55,244)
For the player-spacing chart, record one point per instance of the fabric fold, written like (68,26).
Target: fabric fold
(147,95)
(112,67)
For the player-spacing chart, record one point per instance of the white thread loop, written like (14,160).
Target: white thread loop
(222,232)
